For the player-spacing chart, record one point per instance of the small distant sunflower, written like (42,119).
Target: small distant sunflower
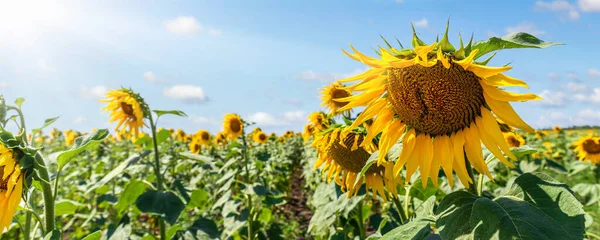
(504,127)
(588,149)
(260,137)
(128,108)
(288,134)
(441,101)
(557,129)
(540,134)
(319,120)
(332,92)
(233,126)
(54,133)
(308,131)
(344,155)
(203,136)
(220,138)
(195,145)
(70,137)
(514,140)
(180,135)
(11,186)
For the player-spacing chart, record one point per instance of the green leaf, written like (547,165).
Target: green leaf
(207,226)
(97,235)
(513,40)
(265,215)
(81,143)
(195,157)
(165,203)
(118,170)
(173,230)
(535,206)
(416,229)
(162,135)
(589,191)
(132,191)
(66,207)
(19,102)
(55,234)
(199,199)
(171,112)
(47,123)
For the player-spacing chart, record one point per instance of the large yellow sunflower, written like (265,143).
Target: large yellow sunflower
(334,91)
(233,126)
(127,108)
(588,149)
(319,120)
(11,186)
(441,102)
(514,140)
(260,137)
(343,157)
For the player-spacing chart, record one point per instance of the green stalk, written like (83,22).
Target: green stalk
(249,197)
(401,211)
(46,191)
(406,199)
(23,127)
(472,185)
(480,185)
(159,179)
(361,225)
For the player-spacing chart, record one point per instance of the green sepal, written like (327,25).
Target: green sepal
(460,53)
(415,40)
(401,47)
(386,42)
(140,100)
(445,44)
(485,62)
(375,50)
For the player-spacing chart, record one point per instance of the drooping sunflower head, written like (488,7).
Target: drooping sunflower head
(203,136)
(233,125)
(332,92)
(308,131)
(11,185)
(128,109)
(557,129)
(514,140)
(260,137)
(442,101)
(343,154)
(319,120)
(588,149)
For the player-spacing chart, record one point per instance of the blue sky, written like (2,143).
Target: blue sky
(266,60)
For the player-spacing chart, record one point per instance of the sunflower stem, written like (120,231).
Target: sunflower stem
(159,179)
(249,197)
(472,187)
(361,224)
(480,185)
(401,211)
(406,199)
(46,191)
(22,126)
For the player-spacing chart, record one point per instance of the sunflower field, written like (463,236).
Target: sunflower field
(424,144)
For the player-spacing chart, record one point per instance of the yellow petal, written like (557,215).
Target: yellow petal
(501,95)
(501,80)
(505,112)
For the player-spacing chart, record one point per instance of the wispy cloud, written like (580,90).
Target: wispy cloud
(186,93)
(592,72)
(551,99)
(183,25)
(96,92)
(564,8)
(45,66)
(422,23)
(311,75)
(525,27)
(589,5)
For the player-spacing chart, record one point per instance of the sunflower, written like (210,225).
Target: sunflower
(180,135)
(334,91)
(441,102)
(319,120)
(195,145)
(588,149)
(11,186)
(220,138)
(70,137)
(233,126)
(540,134)
(128,109)
(203,136)
(343,156)
(504,127)
(308,131)
(557,129)
(288,134)
(260,137)
(514,140)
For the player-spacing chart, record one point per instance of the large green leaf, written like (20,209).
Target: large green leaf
(199,199)
(81,143)
(165,203)
(512,40)
(118,170)
(47,123)
(66,207)
(589,191)
(132,191)
(535,206)
(416,229)
(206,226)
(170,112)
(97,235)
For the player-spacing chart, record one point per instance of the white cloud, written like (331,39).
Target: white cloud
(96,92)
(592,72)
(79,120)
(424,23)
(589,5)
(576,87)
(214,32)
(295,116)
(183,25)
(265,119)
(3,84)
(524,27)
(399,1)
(572,76)
(593,98)
(294,101)
(150,76)
(550,119)
(587,117)
(311,75)
(186,93)
(44,66)
(566,10)
(553,76)
(551,99)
